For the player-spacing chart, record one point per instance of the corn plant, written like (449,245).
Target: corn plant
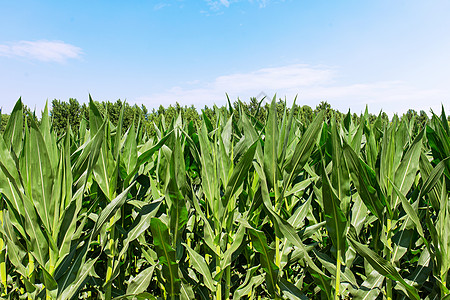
(225,208)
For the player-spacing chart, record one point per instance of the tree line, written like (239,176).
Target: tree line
(72,112)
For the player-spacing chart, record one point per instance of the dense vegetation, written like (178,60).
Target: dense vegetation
(73,112)
(106,201)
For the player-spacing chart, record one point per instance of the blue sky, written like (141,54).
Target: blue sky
(391,55)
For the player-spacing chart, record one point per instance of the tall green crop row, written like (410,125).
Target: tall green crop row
(230,209)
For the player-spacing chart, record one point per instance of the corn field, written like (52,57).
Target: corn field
(231,210)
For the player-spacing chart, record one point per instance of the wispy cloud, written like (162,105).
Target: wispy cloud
(218,4)
(297,75)
(42,50)
(262,3)
(161,5)
(312,84)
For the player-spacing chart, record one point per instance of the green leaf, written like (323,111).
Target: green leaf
(199,264)
(371,287)
(227,135)
(129,154)
(110,210)
(270,147)
(267,259)
(140,282)
(16,252)
(282,228)
(324,283)
(423,270)
(41,178)
(166,255)
(340,178)
(347,277)
(388,161)
(141,224)
(104,170)
(249,283)
(86,160)
(38,241)
(68,271)
(410,211)
(118,136)
(49,139)
(9,178)
(290,291)
(186,292)
(240,172)
(208,173)
(382,266)
(359,213)
(287,132)
(233,247)
(51,286)
(432,178)
(441,240)
(208,233)
(178,215)
(304,148)
(86,269)
(335,218)
(95,117)
(296,219)
(13,134)
(366,183)
(406,172)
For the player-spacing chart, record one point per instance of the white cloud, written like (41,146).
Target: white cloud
(214,5)
(262,3)
(388,96)
(43,50)
(218,4)
(312,84)
(225,3)
(275,78)
(161,5)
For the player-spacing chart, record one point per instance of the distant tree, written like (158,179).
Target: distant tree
(144,111)
(384,118)
(208,112)
(281,106)
(170,114)
(130,113)
(417,121)
(84,112)
(29,115)
(422,119)
(411,113)
(113,111)
(72,112)
(305,114)
(253,106)
(257,109)
(324,105)
(372,118)
(63,113)
(191,114)
(161,110)
(3,122)
(356,119)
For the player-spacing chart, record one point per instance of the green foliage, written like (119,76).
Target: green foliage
(3,121)
(64,113)
(111,201)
